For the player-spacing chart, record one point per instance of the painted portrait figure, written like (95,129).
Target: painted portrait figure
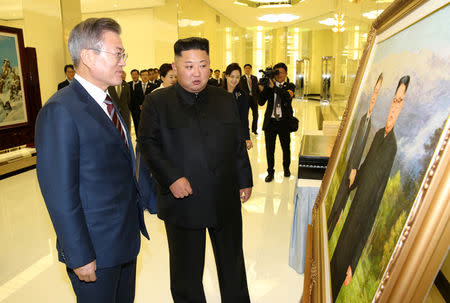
(369,182)
(354,161)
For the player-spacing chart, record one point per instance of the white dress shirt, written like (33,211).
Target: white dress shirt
(98,95)
(275,98)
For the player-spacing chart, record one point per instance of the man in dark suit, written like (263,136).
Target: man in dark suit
(135,89)
(147,85)
(249,84)
(369,182)
(216,80)
(86,167)
(69,70)
(354,159)
(278,95)
(122,97)
(202,174)
(140,91)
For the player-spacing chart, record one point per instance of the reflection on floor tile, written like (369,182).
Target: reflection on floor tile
(30,271)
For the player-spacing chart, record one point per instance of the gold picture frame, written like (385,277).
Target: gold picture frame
(424,239)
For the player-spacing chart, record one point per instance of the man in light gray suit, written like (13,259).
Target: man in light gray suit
(121,95)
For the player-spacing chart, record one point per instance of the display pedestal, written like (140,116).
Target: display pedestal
(314,154)
(16,161)
(305,195)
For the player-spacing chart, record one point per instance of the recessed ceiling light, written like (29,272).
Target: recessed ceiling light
(189,22)
(115,4)
(373,14)
(328,21)
(272,18)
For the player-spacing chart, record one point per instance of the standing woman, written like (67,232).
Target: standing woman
(233,75)
(168,76)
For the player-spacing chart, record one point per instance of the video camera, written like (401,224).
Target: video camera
(269,73)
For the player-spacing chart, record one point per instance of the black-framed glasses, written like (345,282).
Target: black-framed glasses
(119,55)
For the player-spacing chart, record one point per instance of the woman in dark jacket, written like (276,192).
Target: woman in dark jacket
(233,75)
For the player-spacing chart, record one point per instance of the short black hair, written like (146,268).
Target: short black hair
(210,70)
(150,70)
(164,69)
(143,71)
(248,65)
(191,43)
(403,80)
(217,70)
(134,70)
(68,66)
(280,65)
(232,67)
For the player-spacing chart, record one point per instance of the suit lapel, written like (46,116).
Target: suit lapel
(96,112)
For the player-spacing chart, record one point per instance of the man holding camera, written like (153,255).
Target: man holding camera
(278,95)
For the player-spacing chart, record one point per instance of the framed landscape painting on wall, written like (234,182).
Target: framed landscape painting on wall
(13,110)
(386,176)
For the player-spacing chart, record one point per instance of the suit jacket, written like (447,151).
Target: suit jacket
(63,84)
(286,103)
(87,177)
(198,137)
(354,160)
(214,82)
(370,183)
(123,101)
(254,98)
(241,98)
(136,95)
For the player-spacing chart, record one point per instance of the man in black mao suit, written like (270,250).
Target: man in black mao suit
(202,174)
(249,84)
(122,96)
(86,170)
(278,95)
(69,70)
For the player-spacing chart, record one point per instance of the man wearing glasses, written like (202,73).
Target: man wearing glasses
(86,167)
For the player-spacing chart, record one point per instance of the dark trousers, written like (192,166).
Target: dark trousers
(187,259)
(254,107)
(114,285)
(136,114)
(277,128)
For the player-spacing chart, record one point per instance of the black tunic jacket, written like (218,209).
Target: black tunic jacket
(196,136)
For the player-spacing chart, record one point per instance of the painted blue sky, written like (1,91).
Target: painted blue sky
(8,50)
(430,32)
(421,51)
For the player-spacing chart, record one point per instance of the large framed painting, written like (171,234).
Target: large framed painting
(12,97)
(19,89)
(380,222)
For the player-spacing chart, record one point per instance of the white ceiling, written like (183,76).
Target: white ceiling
(12,9)
(309,11)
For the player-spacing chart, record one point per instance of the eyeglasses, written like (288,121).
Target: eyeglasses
(119,55)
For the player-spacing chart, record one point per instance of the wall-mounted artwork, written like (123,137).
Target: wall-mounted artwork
(20,96)
(13,109)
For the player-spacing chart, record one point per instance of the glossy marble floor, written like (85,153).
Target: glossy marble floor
(30,272)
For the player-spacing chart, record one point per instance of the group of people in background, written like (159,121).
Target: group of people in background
(245,88)
(192,137)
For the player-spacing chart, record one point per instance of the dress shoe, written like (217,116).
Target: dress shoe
(287,173)
(269,178)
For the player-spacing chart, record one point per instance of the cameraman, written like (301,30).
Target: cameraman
(279,95)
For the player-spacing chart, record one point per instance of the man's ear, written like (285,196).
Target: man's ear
(174,68)
(87,57)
